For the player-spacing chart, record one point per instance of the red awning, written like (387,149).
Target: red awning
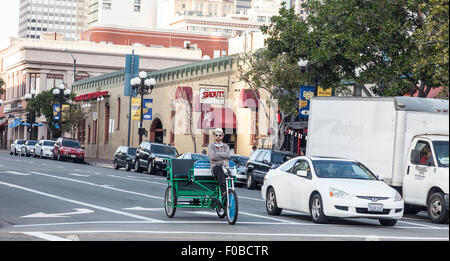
(217,118)
(248,98)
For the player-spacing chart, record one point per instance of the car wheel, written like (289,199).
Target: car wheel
(60,158)
(271,203)
(41,155)
(127,166)
(250,181)
(116,166)
(137,167)
(316,210)
(388,222)
(150,169)
(10,153)
(436,208)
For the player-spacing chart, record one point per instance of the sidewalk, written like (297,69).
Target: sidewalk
(99,162)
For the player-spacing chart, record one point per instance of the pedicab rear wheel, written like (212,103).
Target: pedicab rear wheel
(170,201)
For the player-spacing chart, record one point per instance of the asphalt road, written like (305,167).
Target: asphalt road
(42,200)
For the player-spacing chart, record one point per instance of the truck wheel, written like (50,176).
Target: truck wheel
(316,210)
(436,208)
(388,222)
(412,209)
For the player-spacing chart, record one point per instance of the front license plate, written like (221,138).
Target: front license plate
(73,156)
(375,207)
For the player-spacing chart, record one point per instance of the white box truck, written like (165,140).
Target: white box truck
(403,140)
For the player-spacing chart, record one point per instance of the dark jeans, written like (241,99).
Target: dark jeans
(220,176)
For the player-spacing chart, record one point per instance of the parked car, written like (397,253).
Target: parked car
(44,148)
(16,147)
(68,149)
(28,148)
(153,157)
(261,161)
(194,156)
(241,167)
(330,187)
(124,157)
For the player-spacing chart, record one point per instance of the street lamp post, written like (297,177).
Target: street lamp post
(62,94)
(29,97)
(143,86)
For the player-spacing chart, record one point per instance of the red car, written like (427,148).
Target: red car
(68,149)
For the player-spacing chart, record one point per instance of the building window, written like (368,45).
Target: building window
(106,123)
(94,123)
(172,134)
(118,113)
(89,134)
(34,81)
(107,6)
(82,132)
(137,8)
(54,80)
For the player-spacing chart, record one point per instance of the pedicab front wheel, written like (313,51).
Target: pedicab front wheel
(170,201)
(232,207)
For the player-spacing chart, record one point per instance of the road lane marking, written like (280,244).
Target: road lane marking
(266,217)
(79,202)
(46,236)
(101,186)
(78,175)
(144,209)
(256,199)
(59,215)
(422,225)
(140,180)
(16,173)
(222,233)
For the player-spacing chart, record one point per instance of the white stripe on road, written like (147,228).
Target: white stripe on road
(17,173)
(140,180)
(271,235)
(78,175)
(45,236)
(79,202)
(96,185)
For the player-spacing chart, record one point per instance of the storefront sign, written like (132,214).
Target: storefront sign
(323,92)
(306,92)
(212,96)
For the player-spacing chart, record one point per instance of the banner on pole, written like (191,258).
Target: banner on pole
(306,92)
(56,112)
(147,110)
(135,108)
(131,71)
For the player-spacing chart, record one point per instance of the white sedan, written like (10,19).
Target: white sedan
(330,187)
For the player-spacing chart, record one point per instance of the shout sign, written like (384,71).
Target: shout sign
(212,96)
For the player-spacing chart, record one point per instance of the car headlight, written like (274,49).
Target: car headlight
(398,197)
(337,193)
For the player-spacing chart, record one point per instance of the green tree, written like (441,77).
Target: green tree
(1,86)
(370,42)
(73,119)
(280,78)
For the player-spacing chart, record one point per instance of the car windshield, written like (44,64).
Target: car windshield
(49,143)
(20,142)
(241,161)
(342,170)
(441,151)
(199,157)
(31,142)
(280,158)
(132,151)
(71,143)
(163,150)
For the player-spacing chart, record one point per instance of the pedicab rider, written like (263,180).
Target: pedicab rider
(219,155)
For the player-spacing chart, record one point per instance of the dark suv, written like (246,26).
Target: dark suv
(124,157)
(261,161)
(153,157)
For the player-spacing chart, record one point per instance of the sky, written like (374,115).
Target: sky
(9,21)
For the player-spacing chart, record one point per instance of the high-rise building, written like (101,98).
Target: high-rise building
(297,5)
(242,6)
(38,17)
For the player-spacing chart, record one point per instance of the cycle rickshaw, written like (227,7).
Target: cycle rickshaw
(192,185)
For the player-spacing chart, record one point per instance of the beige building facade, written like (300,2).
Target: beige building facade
(29,64)
(188,101)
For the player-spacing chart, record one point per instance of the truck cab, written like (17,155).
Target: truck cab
(426,179)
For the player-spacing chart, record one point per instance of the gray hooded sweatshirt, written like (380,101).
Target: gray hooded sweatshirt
(219,153)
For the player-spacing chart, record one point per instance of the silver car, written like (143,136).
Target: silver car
(16,147)
(44,148)
(28,148)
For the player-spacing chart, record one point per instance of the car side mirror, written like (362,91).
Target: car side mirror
(302,173)
(415,156)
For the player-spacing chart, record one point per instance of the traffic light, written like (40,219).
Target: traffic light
(28,116)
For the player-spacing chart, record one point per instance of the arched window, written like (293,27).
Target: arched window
(118,113)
